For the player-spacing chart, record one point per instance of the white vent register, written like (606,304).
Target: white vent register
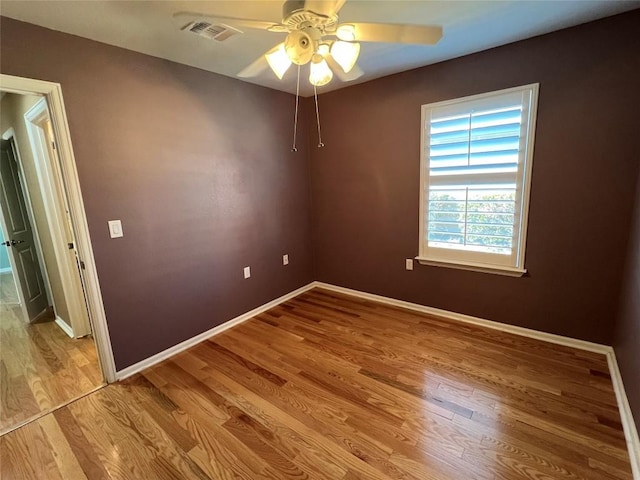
(208,30)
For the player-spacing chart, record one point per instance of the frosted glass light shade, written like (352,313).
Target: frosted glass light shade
(345,54)
(323,49)
(320,73)
(278,60)
(346,32)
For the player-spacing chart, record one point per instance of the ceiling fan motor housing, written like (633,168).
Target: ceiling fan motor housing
(295,16)
(301,45)
(291,6)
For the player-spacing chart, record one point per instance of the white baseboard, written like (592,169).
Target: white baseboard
(630,430)
(169,352)
(64,326)
(5,270)
(460,317)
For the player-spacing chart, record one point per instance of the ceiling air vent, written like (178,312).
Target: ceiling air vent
(212,32)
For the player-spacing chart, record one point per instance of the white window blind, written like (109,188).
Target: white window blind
(476,163)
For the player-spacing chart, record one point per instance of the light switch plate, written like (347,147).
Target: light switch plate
(115,229)
(247,272)
(285,259)
(409,264)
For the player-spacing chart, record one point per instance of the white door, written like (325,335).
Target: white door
(20,240)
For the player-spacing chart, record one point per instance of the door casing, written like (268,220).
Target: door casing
(56,207)
(71,184)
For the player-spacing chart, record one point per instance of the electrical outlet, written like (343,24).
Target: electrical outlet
(285,259)
(247,272)
(409,264)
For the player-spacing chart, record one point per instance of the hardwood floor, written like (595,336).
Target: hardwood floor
(327,386)
(8,292)
(41,368)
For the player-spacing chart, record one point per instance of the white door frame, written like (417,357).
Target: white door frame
(10,135)
(55,205)
(97,317)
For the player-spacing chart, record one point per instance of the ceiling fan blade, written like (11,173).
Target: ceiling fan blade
(353,74)
(255,69)
(324,7)
(185,18)
(396,33)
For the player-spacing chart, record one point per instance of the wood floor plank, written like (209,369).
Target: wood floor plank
(40,367)
(92,465)
(31,442)
(275,424)
(329,386)
(306,428)
(65,458)
(161,409)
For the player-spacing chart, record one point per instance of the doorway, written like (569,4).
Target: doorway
(54,345)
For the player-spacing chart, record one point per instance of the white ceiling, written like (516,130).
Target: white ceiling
(469,26)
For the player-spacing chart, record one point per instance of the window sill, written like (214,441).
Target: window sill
(474,267)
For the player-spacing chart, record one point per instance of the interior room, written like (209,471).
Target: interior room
(324,239)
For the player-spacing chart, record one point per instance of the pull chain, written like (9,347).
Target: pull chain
(315,94)
(295,118)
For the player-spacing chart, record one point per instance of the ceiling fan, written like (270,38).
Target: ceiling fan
(315,37)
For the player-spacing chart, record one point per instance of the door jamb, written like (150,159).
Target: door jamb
(97,316)
(55,203)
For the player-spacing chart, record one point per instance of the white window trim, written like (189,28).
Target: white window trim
(474,267)
(516,269)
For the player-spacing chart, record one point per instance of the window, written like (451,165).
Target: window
(476,157)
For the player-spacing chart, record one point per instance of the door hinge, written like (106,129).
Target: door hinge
(53,145)
(70,245)
(82,265)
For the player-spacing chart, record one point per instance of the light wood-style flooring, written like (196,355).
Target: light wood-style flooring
(327,386)
(8,292)
(41,368)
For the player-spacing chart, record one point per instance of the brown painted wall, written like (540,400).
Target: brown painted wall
(198,168)
(366,180)
(627,334)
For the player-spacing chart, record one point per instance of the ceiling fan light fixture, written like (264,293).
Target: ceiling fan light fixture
(278,60)
(346,33)
(323,49)
(320,74)
(345,54)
